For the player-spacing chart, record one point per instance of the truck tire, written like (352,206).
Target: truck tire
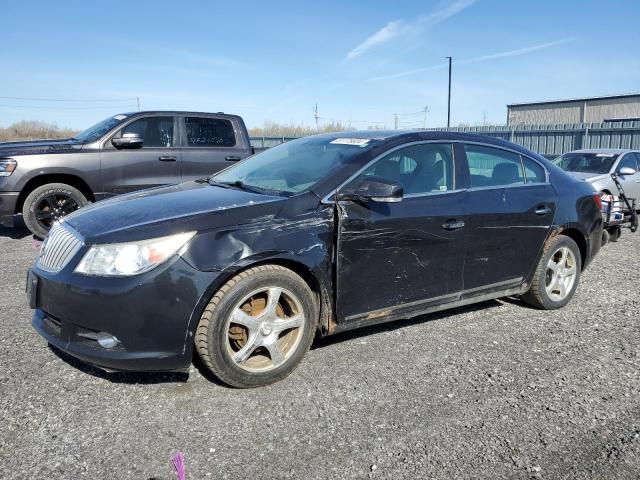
(557,275)
(257,327)
(48,203)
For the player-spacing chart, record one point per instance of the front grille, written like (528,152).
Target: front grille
(58,248)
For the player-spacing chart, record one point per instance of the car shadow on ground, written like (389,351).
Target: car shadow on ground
(144,378)
(180,377)
(396,324)
(16,233)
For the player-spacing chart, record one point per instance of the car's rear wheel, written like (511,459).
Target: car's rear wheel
(257,328)
(557,276)
(49,203)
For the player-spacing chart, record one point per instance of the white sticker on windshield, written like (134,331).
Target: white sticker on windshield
(358,142)
(119,117)
(604,155)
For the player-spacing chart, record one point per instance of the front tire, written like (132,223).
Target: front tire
(257,328)
(557,276)
(48,203)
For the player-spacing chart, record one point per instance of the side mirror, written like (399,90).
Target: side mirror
(626,171)
(374,189)
(128,140)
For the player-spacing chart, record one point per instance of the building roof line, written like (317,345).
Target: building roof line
(575,100)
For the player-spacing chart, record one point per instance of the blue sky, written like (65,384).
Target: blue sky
(361,62)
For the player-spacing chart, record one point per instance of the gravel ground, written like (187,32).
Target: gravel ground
(497,390)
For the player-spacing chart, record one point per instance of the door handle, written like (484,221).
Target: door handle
(232,158)
(542,210)
(453,225)
(167,158)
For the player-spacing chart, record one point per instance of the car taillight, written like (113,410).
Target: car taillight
(598,199)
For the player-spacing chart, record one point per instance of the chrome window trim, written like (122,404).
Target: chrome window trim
(327,199)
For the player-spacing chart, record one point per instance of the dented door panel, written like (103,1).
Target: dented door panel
(391,254)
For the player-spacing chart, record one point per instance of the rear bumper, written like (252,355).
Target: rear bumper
(8,215)
(153,316)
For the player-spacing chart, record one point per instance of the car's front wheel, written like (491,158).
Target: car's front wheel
(557,276)
(48,203)
(257,328)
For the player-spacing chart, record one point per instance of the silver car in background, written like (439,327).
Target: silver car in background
(596,166)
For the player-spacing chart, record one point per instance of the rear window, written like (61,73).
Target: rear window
(209,132)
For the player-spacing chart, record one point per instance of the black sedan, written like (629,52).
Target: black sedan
(319,235)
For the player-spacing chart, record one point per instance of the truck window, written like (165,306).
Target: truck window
(155,131)
(209,132)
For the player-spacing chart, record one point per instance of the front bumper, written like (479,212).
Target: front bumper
(153,315)
(8,202)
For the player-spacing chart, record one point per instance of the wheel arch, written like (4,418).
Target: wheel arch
(46,178)
(312,276)
(580,239)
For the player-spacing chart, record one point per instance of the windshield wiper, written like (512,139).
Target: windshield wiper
(236,184)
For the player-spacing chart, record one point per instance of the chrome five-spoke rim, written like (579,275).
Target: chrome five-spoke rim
(561,274)
(265,329)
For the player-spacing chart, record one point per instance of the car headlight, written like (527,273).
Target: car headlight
(7,166)
(125,259)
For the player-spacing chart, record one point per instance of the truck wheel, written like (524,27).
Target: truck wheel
(48,203)
(557,276)
(257,328)
(605,238)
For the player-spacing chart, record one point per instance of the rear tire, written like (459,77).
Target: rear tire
(557,275)
(257,328)
(605,238)
(48,203)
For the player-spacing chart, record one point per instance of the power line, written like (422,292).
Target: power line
(83,100)
(41,107)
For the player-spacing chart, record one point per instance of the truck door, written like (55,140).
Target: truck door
(156,163)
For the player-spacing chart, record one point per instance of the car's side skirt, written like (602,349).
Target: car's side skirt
(407,311)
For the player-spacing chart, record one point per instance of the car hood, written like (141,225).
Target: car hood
(589,177)
(35,147)
(167,210)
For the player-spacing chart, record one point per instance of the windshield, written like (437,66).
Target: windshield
(94,133)
(586,162)
(295,166)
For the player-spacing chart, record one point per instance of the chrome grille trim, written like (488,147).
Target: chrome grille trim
(59,248)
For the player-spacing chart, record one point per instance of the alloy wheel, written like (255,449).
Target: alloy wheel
(265,329)
(561,274)
(52,208)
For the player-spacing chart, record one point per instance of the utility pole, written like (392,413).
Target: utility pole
(316,116)
(426,109)
(449,101)
(395,120)
(138,100)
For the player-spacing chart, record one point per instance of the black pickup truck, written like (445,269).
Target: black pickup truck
(44,180)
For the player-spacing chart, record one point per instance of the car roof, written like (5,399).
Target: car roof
(176,112)
(418,135)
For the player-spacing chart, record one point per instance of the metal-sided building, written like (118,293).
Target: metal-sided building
(578,110)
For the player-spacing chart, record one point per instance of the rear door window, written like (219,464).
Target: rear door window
(534,172)
(209,132)
(156,132)
(493,167)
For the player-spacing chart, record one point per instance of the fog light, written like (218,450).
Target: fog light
(105,340)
